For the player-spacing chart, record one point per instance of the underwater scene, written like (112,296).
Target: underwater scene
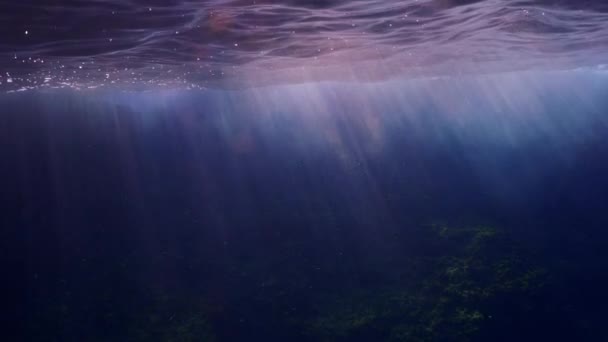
(303,170)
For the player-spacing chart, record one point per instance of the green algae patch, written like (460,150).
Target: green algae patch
(469,270)
(173,320)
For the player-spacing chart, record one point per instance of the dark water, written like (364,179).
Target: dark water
(468,209)
(303,170)
(235,43)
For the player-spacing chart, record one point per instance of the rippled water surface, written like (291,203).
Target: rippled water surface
(220,43)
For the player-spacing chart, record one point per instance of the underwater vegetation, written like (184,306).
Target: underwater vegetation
(461,283)
(451,297)
(173,320)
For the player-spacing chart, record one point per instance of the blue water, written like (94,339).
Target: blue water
(334,171)
(467,208)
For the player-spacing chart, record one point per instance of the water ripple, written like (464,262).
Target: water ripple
(219,43)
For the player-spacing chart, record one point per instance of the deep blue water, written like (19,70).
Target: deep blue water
(462,209)
(366,170)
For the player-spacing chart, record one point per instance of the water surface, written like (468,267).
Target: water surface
(237,43)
